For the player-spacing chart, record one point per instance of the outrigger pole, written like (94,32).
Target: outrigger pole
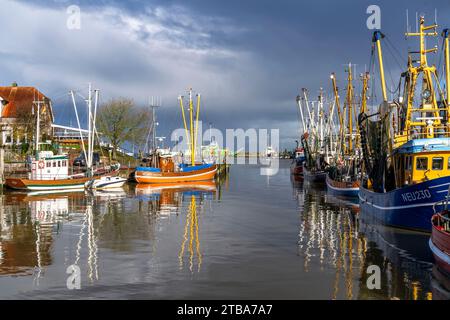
(349,106)
(341,122)
(377,36)
(191,134)
(446,34)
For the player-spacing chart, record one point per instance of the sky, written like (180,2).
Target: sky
(249,58)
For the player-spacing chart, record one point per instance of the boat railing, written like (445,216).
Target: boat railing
(443,218)
(443,221)
(438,132)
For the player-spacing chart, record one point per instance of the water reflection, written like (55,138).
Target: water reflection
(33,225)
(334,235)
(168,199)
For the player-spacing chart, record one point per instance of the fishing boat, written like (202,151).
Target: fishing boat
(167,171)
(49,171)
(298,162)
(313,169)
(440,240)
(316,137)
(406,150)
(343,177)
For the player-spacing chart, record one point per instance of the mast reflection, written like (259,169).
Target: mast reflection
(333,234)
(168,199)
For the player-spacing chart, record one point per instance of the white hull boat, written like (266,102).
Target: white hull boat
(107,182)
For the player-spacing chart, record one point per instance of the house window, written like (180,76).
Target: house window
(438,163)
(422,163)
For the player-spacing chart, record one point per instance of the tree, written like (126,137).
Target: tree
(138,137)
(118,120)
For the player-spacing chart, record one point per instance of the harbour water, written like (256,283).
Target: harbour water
(248,237)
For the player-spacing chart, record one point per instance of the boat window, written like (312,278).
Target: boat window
(59,164)
(422,163)
(64,163)
(437,164)
(408,163)
(448,163)
(49,164)
(54,164)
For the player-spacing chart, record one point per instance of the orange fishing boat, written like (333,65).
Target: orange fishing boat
(168,172)
(196,173)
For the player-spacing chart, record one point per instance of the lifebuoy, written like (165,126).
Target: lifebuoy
(41,164)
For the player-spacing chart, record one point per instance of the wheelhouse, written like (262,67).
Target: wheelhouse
(421,160)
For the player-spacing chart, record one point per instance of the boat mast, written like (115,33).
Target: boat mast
(377,36)
(320,114)
(338,107)
(299,103)
(89,106)
(197,113)
(180,98)
(365,80)
(191,133)
(426,123)
(349,107)
(445,34)
(38,126)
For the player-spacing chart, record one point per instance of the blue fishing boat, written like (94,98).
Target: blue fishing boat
(406,149)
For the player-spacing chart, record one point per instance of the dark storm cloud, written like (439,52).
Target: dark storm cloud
(248,58)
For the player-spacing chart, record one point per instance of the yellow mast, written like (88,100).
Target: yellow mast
(365,79)
(349,106)
(363,109)
(196,123)
(192,131)
(377,36)
(338,107)
(191,119)
(429,106)
(445,34)
(180,98)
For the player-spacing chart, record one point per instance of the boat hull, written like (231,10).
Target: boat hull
(440,246)
(102,184)
(176,177)
(344,189)
(315,177)
(40,185)
(296,170)
(409,207)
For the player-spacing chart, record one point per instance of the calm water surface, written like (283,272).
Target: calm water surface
(250,236)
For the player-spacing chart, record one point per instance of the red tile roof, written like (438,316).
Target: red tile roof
(19,99)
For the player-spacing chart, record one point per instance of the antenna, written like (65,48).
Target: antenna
(154,102)
(407,21)
(417,22)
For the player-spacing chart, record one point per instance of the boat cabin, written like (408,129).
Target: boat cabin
(48,166)
(421,160)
